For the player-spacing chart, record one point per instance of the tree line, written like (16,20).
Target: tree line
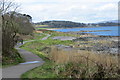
(105,24)
(61,24)
(70,24)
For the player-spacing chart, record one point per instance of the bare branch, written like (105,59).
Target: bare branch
(7,6)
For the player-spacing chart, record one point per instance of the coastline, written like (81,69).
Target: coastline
(78,32)
(79,27)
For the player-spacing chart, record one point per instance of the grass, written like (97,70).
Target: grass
(44,71)
(38,28)
(12,60)
(73,63)
(41,25)
(54,33)
(87,62)
(39,44)
(38,36)
(76,56)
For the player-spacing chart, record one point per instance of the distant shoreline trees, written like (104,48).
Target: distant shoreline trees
(61,24)
(70,24)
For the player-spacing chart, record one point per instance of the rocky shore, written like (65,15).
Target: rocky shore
(97,44)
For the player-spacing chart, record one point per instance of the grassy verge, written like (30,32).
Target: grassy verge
(44,71)
(12,59)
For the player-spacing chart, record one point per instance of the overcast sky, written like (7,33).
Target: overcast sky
(70,10)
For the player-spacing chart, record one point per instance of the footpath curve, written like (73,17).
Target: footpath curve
(47,35)
(31,61)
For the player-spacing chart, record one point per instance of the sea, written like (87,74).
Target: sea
(104,31)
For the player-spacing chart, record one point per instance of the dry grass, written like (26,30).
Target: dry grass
(62,56)
(104,64)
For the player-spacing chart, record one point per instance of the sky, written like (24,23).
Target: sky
(84,11)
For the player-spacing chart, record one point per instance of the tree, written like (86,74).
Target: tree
(24,23)
(0,34)
(8,31)
(12,23)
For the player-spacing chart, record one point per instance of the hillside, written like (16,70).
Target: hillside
(111,21)
(61,24)
(106,23)
(70,24)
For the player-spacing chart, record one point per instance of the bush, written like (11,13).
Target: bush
(15,58)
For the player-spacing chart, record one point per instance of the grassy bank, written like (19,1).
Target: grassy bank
(44,71)
(72,63)
(13,59)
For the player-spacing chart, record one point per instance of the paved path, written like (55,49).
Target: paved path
(46,37)
(63,38)
(31,59)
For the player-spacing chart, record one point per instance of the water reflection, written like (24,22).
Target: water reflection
(30,62)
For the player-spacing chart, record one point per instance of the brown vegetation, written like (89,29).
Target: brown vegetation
(87,63)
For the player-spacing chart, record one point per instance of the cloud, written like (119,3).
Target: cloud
(107,7)
(72,10)
(26,1)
